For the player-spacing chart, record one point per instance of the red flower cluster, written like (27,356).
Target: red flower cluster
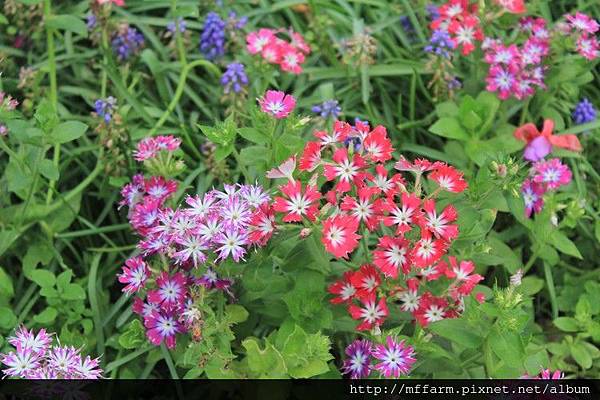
(289,55)
(459,18)
(414,234)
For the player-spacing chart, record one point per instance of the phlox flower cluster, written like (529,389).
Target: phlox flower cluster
(277,104)
(288,54)
(459,19)
(368,199)
(149,148)
(518,70)
(180,248)
(545,176)
(7,103)
(546,374)
(392,359)
(583,29)
(37,357)
(119,3)
(127,42)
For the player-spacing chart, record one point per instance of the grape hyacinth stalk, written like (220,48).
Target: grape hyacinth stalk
(127,43)
(212,40)
(329,108)
(235,78)
(584,112)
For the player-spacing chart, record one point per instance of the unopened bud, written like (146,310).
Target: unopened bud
(304,233)
(515,279)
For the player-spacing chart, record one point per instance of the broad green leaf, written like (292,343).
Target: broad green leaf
(264,363)
(6,286)
(254,135)
(564,244)
(8,319)
(46,317)
(507,346)
(73,291)
(235,313)
(566,324)
(457,331)
(43,278)
(531,285)
(68,23)
(134,336)
(449,128)
(49,170)
(581,355)
(67,132)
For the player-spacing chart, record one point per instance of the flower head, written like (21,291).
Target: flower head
(212,39)
(396,358)
(358,363)
(584,112)
(235,78)
(277,104)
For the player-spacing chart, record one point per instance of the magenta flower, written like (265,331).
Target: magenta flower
(582,22)
(20,363)
(278,104)
(546,374)
(533,195)
(193,248)
(233,242)
(64,359)
(149,148)
(396,358)
(162,326)
(135,273)
(537,149)
(25,339)
(171,292)
(552,173)
(358,363)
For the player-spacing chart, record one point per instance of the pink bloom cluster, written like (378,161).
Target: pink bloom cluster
(414,234)
(546,374)
(180,247)
(545,176)
(584,29)
(7,103)
(149,148)
(289,55)
(459,18)
(277,104)
(35,357)
(518,70)
(119,3)
(395,358)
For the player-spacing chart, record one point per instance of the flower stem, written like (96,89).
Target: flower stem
(53,86)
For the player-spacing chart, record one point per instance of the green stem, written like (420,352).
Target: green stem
(551,289)
(53,86)
(88,232)
(241,165)
(93,296)
(169,361)
(178,39)
(124,360)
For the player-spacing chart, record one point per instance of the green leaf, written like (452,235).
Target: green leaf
(134,336)
(507,346)
(564,244)
(223,152)
(43,278)
(264,363)
(530,285)
(63,279)
(254,135)
(49,170)
(581,355)
(566,324)
(67,132)
(234,313)
(8,319)
(68,23)
(6,286)
(449,128)
(73,291)
(457,331)
(46,317)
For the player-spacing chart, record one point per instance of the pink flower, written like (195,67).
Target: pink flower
(256,41)
(346,170)
(277,104)
(233,242)
(135,273)
(290,59)
(363,208)
(149,148)
(583,23)
(296,203)
(513,6)
(463,274)
(449,179)
(311,157)
(119,3)
(377,145)
(262,225)
(372,313)
(396,358)
(162,326)
(344,289)
(588,46)
(405,215)
(427,250)
(533,196)
(366,280)
(25,339)
(431,309)
(391,255)
(339,235)
(171,292)
(465,33)
(439,225)
(552,173)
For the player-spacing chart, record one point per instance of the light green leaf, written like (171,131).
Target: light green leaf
(73,291)
(43,278)
(46,317)
(449,128)
(68,23)
(67,132)
(566,324)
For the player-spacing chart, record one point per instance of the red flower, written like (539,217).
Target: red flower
(434,271)
(343,289)
(439,225)
(339,235)
(392,254)
(372,313)
(377,145)
(365,280)
(262,224)
(340,132)
(296,203)
(363,209)
(346,170)
(427,250)
(311,157)
(431,309)
(513,6)
(405,215)
(390,187)
(448,178)
(465,282)
(465,33)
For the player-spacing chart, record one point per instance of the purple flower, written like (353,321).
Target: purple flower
(358,363)
(235,22)
(533,196)
(127,42)
(537,149)
(172,26)
(407,24)
(91,21)
(212,39)
(25,339)
(439,43)
(234,78)
(584,112)
(105,108)
(233,242)
(396,358)
(433,11)
(329,108)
